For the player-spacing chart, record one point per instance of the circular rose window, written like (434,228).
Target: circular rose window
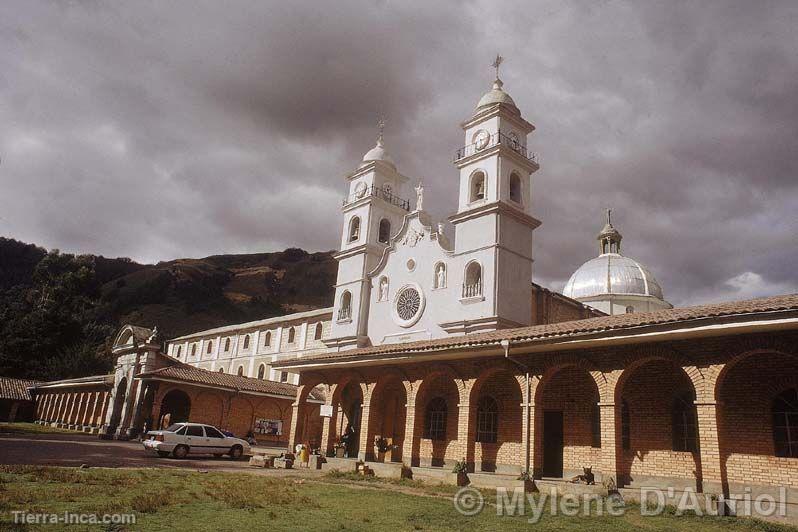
(409,304)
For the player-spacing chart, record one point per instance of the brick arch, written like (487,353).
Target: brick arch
(208,407)
(650,405)
(744,392)
(740,357)
(387,414)
(506,387)
(463,385)
(439,451)
(570,387)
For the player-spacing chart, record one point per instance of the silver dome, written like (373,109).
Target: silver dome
(611,273)
(496,95)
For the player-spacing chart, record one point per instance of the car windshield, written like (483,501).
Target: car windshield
(174,427)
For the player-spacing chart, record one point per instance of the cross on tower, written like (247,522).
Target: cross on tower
(497,63)
(380,128)
(609,216)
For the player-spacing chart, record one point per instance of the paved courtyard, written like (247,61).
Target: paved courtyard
(74,450)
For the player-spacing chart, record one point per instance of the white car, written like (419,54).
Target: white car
(182,439)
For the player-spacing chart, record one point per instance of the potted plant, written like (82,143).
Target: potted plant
(340,449)
(461,470)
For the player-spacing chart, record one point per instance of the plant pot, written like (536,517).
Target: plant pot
(339,452)
(462,479)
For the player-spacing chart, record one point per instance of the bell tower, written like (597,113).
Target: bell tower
(373,211)
(493,224)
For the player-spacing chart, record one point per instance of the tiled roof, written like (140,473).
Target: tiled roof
(256,324)
(15,389)
(568,329)
(192,375)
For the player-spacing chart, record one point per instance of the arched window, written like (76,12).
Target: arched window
(435,426)
(472,286)
(227,344)
(193,349)
(283,376)
(440,276)
(291,335)
(221,370)
(515,188)
(261,371)
(354,229)
(179,349)
(385,231)
(319,330)
(487,420)
(267,339)
(785,423)
(246,342)
(210,347)
(345,310)
(626,429)
(477,189)
(630,309)
(595,426)
(240,371)
(685,423)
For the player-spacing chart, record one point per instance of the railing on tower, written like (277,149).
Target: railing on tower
(472,290)
(495,140)
(382,193)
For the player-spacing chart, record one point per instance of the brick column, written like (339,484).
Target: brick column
(298,411)
(411,389)
(90,400)
(81,410)
(57,407)
(98,396)
(73,402)
(63,408)
(705,381)
(365,450)
(611,444)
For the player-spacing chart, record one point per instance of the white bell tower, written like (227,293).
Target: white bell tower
(493,224)
(372,212)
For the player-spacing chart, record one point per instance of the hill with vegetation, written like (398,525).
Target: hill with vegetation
(58,312)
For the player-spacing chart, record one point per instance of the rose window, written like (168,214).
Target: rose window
(408,304)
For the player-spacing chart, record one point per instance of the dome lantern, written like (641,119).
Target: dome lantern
(609,238)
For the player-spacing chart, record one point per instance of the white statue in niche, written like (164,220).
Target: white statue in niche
(384,289)
(440,276)
(419,196)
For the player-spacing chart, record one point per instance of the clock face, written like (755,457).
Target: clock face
(481,139)
(360,190)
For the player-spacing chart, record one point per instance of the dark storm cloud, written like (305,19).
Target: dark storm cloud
(164,130)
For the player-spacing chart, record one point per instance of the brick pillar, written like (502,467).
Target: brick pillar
(81,410)
(411,437)
(48,403)
(95,409)
(63,407)
(90,400)
(57,407)
(73,402)
(298,411)
(365,450)
(41,406)
(106,405)
(709,446)
(609,411)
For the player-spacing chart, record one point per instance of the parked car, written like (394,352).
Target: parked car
(182,439)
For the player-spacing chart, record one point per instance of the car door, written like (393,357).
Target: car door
(197,442)
(216,440)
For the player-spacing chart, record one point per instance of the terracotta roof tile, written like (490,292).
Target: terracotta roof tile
(192,375)
(15,389)
(567,328)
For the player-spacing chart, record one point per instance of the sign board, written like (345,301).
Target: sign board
(326,410)
(269,427)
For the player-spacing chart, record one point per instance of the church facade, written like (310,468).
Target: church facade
(440,349)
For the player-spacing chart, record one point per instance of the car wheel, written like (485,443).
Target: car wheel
(181,451)
(236,452)
(163,454)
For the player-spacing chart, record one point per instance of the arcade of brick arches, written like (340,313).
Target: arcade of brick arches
(702,414)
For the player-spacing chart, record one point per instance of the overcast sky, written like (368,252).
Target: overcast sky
(184,129)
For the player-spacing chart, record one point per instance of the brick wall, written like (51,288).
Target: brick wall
(507,451)
(746,437)
(649,393)
(573,391)
(435,452)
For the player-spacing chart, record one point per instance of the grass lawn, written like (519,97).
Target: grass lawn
(190,500)
(32,428)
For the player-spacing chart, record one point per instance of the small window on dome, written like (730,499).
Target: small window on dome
(630,309)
